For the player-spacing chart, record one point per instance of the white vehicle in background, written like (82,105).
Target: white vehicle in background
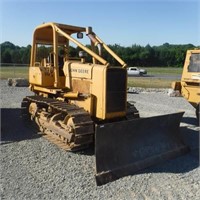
(135,71)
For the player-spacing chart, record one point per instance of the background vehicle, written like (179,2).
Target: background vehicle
(81,101)
(189,86)
(134,71)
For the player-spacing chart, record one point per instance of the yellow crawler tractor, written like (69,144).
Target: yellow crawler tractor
(189,86)
(81,101)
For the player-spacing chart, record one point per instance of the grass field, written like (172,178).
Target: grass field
(149,83)
(153,82)
(22,72)
(14,72)
(163,70)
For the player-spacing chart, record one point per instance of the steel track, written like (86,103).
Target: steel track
(49,116)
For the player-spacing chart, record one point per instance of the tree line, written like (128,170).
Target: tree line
(11,53)
(166,55)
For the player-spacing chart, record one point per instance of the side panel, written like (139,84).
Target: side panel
(190,81)
(191,93)
(37,76)
(98,91)
(87,79)
(76,70)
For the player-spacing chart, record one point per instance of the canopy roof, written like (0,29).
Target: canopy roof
(44,33)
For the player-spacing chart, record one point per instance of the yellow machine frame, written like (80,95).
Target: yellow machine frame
(79,78)
(189,86)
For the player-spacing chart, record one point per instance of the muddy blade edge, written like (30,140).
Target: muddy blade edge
(123,148)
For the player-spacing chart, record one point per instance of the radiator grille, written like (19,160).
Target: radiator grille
(116,90)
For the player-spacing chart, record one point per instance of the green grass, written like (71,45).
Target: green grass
(14,72)
(153,82)
(163,70)
(149,83)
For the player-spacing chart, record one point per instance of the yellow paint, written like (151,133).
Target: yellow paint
(189,86)
(83,84)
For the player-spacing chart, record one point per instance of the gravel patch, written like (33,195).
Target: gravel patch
(137,90)
(33,168)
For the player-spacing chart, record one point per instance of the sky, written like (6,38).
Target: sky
(123,22)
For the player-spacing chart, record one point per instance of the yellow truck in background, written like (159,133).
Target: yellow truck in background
(189,86)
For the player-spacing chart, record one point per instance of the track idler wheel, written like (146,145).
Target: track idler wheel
(33,108)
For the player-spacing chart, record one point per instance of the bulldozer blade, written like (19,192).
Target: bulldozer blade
(126,147)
